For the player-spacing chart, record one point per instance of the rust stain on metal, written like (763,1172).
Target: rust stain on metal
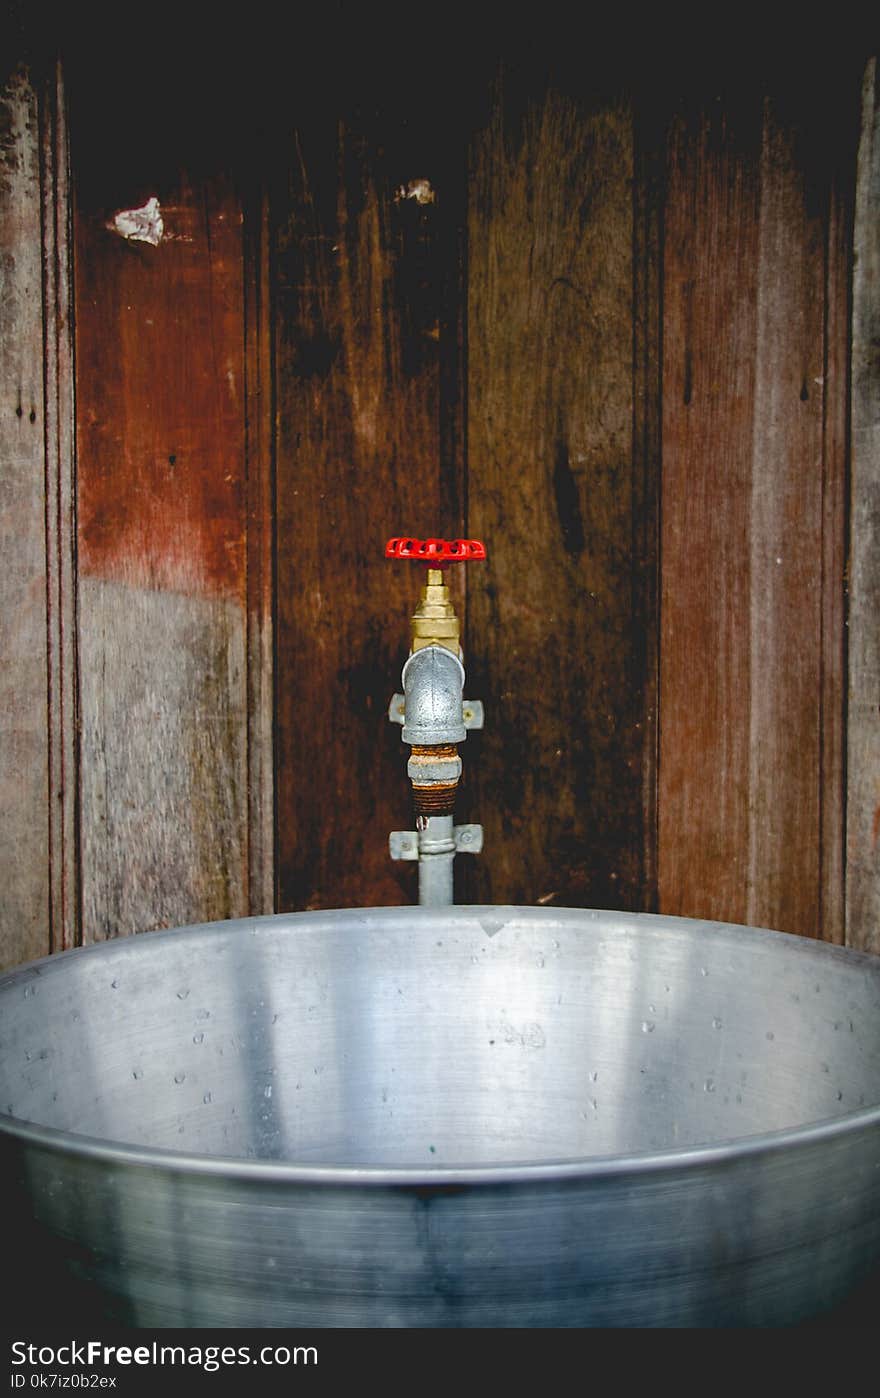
(433,798)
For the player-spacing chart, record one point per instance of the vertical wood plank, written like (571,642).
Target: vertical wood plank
(162,533)
(754,395)
(648,194)
(835,478)
(60,472)
(785,550)
(555,639)
(259,398)
(24,750)
(709,334)
(863,726)
(366,353)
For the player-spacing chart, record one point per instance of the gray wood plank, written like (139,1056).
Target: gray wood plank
(863,725)
(24,746)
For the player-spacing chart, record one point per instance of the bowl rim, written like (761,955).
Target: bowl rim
(583,1169)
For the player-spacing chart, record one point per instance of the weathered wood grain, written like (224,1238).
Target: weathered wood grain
(863,726)
(555,635)
(752,543)
(60,476)
(162,530)
(24,739)
(259,401)
(835,485)
(366,354)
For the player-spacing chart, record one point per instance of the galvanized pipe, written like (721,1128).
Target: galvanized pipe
(433,681)
(436,856)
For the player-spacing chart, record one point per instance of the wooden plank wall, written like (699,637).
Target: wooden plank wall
(494,311)
(556,486)
(373,297)
(753,513)
(863,766)
(24,738)
(367,362)
(174,502)
(162,554)
(38,789)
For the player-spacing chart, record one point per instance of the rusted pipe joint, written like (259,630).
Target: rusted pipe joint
(434,773)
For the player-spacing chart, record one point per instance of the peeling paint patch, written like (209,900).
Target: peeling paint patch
(420,190)
(144,225)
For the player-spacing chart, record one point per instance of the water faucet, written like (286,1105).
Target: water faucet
(435,717)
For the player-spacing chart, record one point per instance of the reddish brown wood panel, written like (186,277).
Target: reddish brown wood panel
(367,349)
(260,462)
(162,515)
(752,526)
(556,487)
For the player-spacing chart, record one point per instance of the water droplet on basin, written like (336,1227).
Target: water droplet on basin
(648,1026)
(203,1014)
(137,1074)
(208,1097)
(709,1085)
(198,1038)
(267,1090)
(770,1035)
(594,1077)
(114,985)
(182,994)
(179,1077)
(716,1023)
(704,970)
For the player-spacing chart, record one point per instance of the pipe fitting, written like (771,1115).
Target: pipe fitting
(433,685)
(434,773)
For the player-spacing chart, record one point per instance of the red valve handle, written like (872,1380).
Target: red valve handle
(436,553)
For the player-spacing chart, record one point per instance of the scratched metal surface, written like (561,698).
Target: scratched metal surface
(479,1116)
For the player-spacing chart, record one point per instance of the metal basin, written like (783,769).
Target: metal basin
(461,1117)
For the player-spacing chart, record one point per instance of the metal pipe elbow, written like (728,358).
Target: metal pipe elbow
(433,685)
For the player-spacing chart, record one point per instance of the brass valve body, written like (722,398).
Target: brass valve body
(434,622)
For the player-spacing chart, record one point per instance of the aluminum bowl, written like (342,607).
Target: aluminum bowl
(474,1116)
